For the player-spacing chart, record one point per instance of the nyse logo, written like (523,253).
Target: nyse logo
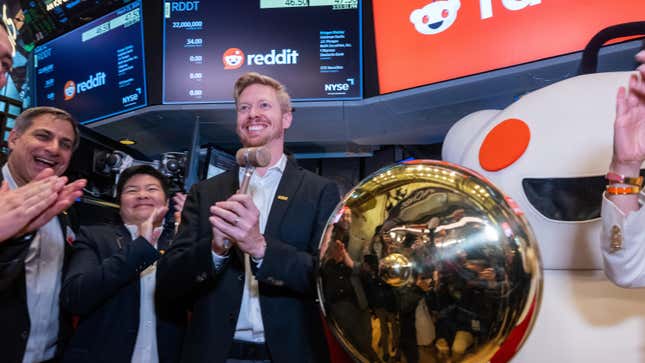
(340,88)
(130,98)
(335,87)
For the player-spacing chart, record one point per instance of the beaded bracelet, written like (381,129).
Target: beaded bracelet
(614,190)
(621,179)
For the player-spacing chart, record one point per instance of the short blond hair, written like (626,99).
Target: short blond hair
(252,78)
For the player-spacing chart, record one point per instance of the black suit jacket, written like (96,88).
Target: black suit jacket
(292,324)
(102,287)
(14,312)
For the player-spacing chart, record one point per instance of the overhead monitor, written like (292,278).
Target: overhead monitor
(46,19)
(420,42)
(312,46)
(96,70)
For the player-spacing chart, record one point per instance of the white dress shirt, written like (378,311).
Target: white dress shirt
(43,273)
(625,266)
(249,326)
(145,349)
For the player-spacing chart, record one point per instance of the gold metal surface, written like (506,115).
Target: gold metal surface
(616,242)
(426,261)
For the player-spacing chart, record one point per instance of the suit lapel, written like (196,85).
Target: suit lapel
(122,236)
(233,182)
(284,196)
(69,236)
(165,239)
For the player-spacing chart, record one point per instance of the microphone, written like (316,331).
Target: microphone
(251,158)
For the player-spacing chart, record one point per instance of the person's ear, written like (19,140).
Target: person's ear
(13,137)
(287,117)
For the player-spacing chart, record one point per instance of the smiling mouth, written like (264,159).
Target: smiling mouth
(435,25)
(45,162)
(256,128)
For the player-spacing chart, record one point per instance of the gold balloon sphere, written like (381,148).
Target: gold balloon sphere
(395,269)
(426,261)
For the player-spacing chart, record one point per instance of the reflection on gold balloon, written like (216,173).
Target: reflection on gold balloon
(426,261)
(395,269)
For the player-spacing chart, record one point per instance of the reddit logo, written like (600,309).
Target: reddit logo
(435,17)
(233,58)
(69,90)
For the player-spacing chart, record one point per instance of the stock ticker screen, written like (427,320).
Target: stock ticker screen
(96,70)
(314,47)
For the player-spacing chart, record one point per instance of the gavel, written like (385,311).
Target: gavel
(251,158)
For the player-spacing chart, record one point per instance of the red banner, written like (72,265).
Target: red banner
(419,42)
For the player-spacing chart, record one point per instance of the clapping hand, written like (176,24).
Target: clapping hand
(629,126)
(29,207)
(237,219)
(65,198)
(146,228)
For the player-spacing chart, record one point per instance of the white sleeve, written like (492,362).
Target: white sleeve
(624,266)
(218,260)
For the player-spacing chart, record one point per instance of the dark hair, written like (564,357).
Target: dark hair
(132,171)
(26,118)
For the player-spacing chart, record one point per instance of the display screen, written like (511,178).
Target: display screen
(45,19)
(311,46)
(420,42)
(95,71)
